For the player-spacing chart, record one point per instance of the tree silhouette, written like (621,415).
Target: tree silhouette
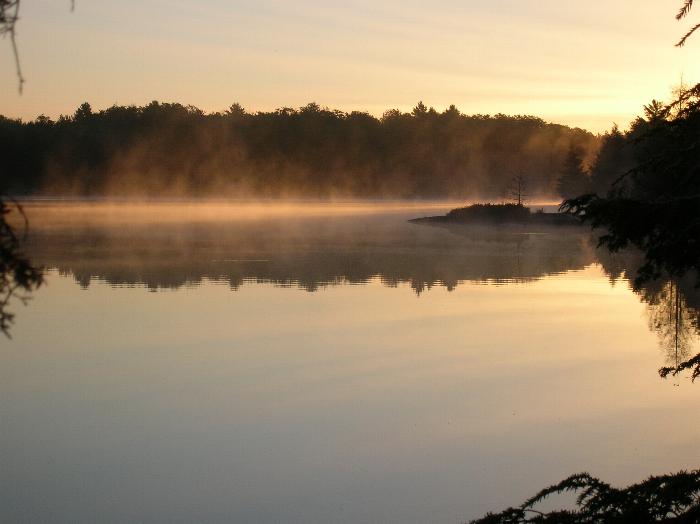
(573,180)
(655,205)
(516,190)
(613,160)
(656,111)
(665,498)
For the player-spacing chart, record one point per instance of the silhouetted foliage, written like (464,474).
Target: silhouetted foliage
(682,13)
(174,150)
(573,180)
(654,205)
(613,160)
(664,498)
(17,275)
(693,363)
(650,182)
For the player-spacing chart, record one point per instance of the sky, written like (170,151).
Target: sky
(587,64)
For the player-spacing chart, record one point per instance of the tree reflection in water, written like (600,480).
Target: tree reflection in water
(674,314)
(672,320)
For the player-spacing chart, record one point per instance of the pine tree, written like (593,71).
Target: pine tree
(574,180)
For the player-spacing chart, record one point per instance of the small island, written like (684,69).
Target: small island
(501,214)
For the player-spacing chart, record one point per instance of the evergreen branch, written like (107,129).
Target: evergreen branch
(687,5)
(681,42)
(688,364)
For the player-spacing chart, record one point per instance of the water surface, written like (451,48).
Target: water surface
(325,364)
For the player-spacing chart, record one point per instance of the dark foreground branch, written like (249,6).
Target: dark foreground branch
(666,498)
(17,275)
(693,363)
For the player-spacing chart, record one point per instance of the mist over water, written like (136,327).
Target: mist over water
(306,362)
(309,244)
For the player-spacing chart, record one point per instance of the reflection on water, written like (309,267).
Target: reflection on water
(296,249)
(673,305)
(672,319)
(354,403)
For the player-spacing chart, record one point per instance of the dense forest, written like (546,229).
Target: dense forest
(646,188)
(175,150)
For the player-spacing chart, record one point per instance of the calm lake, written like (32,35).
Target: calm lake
(316,363)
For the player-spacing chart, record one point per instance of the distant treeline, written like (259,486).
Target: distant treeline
(175,150)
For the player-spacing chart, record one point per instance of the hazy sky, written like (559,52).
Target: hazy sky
(585,63)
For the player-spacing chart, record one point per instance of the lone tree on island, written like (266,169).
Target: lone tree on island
(516,192)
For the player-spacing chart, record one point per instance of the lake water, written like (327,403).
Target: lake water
(326,364)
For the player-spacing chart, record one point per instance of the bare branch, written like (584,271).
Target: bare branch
(9,14)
